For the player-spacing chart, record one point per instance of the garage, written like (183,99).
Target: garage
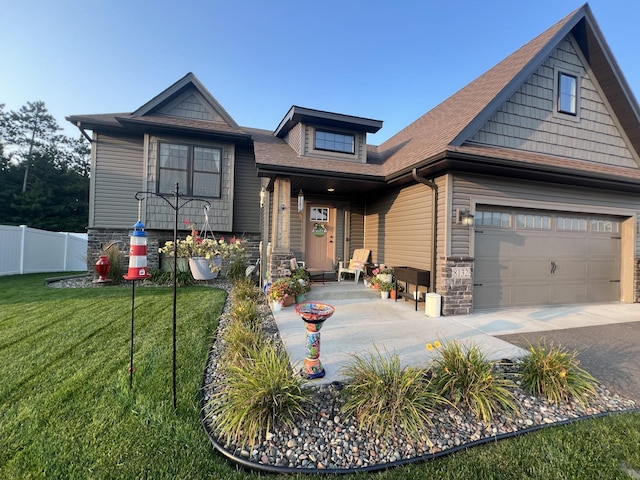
(529,257)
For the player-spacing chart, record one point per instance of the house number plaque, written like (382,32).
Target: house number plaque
(461,272)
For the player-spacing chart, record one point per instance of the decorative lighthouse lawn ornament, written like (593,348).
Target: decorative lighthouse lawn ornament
(137,253)
(137,271)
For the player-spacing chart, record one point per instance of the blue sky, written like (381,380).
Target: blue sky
(387,60)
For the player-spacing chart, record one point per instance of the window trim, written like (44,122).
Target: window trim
(190,167)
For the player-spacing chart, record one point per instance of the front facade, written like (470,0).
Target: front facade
(521,189)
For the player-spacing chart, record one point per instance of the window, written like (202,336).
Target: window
(605,226)
(571,224)
(534,222)
(567,94)
(319,214)
(197,170)
(493,219)
(335,142)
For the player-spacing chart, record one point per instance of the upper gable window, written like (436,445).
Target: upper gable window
(567,93)
(335,142)
(196,169)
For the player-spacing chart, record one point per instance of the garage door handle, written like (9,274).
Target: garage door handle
(553,267)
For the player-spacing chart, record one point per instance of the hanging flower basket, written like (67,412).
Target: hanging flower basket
(201,270)
(319,230)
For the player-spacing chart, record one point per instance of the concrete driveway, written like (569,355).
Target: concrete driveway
(607,336)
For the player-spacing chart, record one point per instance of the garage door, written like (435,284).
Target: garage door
(539,258)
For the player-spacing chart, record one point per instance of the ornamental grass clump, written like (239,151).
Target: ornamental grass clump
(262,394)
(381,394)
(242,340)
(553,372)
(245,289)
(245,311)
(464,376)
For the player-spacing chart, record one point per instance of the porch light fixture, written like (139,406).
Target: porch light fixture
(300,201)
(262,196)
(331,189)
(464,218)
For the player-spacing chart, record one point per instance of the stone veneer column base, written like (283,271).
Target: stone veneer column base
(280,264)
(455,284)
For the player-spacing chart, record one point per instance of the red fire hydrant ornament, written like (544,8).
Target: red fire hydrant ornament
(137,253)
(103,265)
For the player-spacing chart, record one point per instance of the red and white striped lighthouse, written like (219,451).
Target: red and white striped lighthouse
(137,253)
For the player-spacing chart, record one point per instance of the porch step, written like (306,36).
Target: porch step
(340,291)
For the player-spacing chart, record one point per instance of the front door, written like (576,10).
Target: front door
(319,236)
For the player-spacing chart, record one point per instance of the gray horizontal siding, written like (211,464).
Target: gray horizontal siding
(118,175)
(528,122)
(246,198)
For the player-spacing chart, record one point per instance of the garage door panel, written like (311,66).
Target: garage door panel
(568,293)
(497,244)
(604,245)
(524,295)
(489,296)
(603,291)
(530,270)
(533,247)
(570,269)
(603,269)
(568,246)
(492,270)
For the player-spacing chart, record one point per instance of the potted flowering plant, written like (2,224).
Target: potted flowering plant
(383,273)
(281,292)
(300,283)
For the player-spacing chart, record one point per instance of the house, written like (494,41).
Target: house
(520,189)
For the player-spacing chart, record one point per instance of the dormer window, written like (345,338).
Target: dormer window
(567,93)
(335,142)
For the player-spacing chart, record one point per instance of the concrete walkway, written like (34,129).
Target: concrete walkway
(363,321)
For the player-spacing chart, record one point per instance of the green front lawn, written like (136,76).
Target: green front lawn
(66,410)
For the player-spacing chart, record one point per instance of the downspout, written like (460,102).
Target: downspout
(434,221)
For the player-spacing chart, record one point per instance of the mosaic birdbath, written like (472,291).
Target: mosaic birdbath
(314,315)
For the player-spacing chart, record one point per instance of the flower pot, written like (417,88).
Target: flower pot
(166,263)
(392,294)
(276,306)
(200,269)
(384,294)
(288,301)
(300,298)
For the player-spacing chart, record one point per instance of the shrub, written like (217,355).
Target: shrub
(464,376)
(256,397)
(381,394)
(553,372)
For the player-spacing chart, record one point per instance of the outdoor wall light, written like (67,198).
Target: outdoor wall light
(300,201)
(263,193)
(464,217)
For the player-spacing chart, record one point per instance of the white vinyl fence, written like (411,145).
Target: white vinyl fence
(29,250)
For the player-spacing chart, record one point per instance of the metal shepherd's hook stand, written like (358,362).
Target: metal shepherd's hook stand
(176,206)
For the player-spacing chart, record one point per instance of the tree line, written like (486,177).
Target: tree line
(44,175)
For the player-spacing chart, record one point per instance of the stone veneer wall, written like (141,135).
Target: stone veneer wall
(100,238)
(280,264)
(457,293)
